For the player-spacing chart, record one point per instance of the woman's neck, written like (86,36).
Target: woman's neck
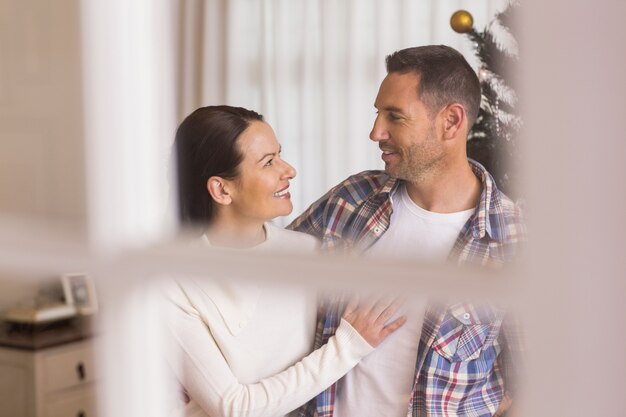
(233,234)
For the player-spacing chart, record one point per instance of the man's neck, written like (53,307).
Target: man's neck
(451,190)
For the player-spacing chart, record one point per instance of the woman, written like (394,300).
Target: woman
(243,351)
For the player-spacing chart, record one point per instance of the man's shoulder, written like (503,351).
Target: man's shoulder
(358,187)
(507,205)
(498,202)
(512,220)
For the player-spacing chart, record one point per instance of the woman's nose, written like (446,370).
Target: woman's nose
(289,171)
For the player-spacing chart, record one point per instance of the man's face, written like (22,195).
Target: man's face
(404,130)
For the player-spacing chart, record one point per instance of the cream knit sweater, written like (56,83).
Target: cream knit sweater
(243,350)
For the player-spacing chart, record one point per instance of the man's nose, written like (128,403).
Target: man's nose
(379,132)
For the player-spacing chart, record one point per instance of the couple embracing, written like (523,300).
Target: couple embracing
(245,351)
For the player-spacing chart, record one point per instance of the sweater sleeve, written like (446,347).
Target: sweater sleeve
(205,374)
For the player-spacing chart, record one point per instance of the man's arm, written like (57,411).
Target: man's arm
(311,221)
(513,362)
(503,409)
(330,213)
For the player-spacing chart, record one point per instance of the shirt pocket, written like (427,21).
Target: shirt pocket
(466,331)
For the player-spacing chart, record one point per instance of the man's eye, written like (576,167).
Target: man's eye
(393,116)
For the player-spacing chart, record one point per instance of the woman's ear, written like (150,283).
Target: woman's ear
(454,117)
(217,189)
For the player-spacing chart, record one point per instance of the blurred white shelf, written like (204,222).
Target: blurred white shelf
(40,315)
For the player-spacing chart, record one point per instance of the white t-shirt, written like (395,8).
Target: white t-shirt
(385,378)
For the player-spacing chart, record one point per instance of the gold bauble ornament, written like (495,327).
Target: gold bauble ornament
(462,21)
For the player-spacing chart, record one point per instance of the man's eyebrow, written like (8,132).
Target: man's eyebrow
(391,109)
(280,148)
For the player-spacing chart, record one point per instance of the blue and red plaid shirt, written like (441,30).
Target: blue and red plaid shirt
(463,364)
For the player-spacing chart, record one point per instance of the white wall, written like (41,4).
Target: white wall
(15,290)
(42,174)
(41,141)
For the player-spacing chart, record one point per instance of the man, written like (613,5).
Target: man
(430,203)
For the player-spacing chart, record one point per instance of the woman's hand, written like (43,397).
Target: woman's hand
(369,319)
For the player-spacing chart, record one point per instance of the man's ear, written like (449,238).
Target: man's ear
(454,118)
(217,188)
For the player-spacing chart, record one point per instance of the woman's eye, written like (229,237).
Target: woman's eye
(269,163)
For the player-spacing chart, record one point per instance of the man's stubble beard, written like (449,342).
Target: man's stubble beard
(420,162)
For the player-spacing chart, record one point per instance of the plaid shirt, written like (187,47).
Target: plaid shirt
(463,358)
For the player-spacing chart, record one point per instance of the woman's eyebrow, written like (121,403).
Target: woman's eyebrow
(280,148)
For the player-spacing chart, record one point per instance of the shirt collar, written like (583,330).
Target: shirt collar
(236,301)
(389,187)
(488,218)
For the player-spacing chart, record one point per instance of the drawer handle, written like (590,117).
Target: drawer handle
(81,413)
(80,369)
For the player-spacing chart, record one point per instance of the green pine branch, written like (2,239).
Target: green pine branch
(492,139)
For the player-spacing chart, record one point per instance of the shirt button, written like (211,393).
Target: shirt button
(242,324)
(466,316)
(377,230)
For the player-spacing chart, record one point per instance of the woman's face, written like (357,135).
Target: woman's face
(261,190)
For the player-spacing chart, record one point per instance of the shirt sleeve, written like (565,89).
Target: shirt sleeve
(311,221)
(204,372)
(513,357)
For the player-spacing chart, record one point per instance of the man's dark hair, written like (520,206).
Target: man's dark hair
(445,77)
(206,146)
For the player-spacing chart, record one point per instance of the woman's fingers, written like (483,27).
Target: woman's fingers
(353,304)
(385,309)
(393,326)
(370,319)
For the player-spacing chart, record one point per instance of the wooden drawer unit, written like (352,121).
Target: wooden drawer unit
(80,403)
(50,382)
(67,368)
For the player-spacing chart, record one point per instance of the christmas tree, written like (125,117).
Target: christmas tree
(492,140)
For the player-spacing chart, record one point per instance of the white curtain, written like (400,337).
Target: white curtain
(312,68)
(129,100)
